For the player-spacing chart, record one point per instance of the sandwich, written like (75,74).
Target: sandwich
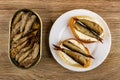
(86,29)
(73,53)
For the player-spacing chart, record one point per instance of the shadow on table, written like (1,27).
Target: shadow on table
(47,37)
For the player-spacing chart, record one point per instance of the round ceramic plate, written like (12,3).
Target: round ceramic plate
(61,31)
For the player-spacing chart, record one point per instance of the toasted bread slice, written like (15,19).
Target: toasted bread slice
(86,29)
(72,51)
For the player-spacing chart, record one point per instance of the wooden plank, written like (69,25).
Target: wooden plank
(48,68)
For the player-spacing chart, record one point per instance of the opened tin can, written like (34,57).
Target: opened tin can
(25,38)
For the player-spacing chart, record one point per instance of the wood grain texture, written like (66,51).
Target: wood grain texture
(48,68)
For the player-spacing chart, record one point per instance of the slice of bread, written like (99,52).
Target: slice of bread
(68,59)
(83,34)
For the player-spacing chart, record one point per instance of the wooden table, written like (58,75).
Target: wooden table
(48,68)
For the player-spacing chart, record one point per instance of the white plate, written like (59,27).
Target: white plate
(61,31)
